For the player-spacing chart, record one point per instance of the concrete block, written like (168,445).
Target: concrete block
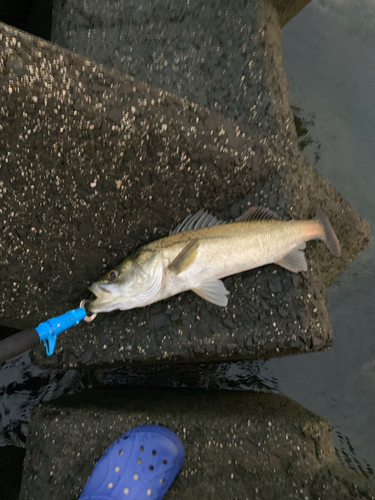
(94,164)
(238,445)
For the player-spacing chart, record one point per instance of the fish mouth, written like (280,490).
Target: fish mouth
(101,290)
(106,298)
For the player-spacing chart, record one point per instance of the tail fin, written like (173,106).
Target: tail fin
(330,238)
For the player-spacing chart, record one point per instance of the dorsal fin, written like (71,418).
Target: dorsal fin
(197,221)
(257,213)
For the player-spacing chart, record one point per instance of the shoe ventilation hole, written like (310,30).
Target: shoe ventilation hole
(165,462)
(149,491)
(135,477)
(117,469)
(110,485)
(139,461)
(151,467)
(161,481)
(120,452)
(154,452)
(142,448)
(126,491)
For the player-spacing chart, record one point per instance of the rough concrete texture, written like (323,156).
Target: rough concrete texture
(225,56)
(93,165)
(222,55)
(237,445)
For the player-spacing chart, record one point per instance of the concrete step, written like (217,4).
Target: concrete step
(238,445)
(95,164)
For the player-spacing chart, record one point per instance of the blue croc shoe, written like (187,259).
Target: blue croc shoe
(140,465)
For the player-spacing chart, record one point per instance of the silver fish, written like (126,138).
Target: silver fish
(202,250)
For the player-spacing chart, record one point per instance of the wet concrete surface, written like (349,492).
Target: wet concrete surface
(301,375)
(104,164)
(237,445)
(230,62)
(206,53)
(11,461)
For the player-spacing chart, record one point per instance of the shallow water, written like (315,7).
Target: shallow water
(22,387)
(329,59)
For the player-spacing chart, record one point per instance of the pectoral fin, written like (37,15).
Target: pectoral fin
(213,291)
(294,261)
(185,258)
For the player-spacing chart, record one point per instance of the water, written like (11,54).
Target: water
(22,387)
(329,60)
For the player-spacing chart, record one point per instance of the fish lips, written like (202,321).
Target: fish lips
(102,290)
(105,300)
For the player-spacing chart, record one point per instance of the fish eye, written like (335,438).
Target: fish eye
(113,274)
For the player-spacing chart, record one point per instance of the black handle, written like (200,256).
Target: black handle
(16,344)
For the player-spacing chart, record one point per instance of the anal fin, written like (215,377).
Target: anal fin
(294,261)
(213,291)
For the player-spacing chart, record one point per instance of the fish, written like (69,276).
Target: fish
(202,250)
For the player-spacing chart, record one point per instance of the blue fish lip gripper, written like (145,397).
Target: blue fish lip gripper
(48,330)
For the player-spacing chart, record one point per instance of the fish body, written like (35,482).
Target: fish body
(196,258)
